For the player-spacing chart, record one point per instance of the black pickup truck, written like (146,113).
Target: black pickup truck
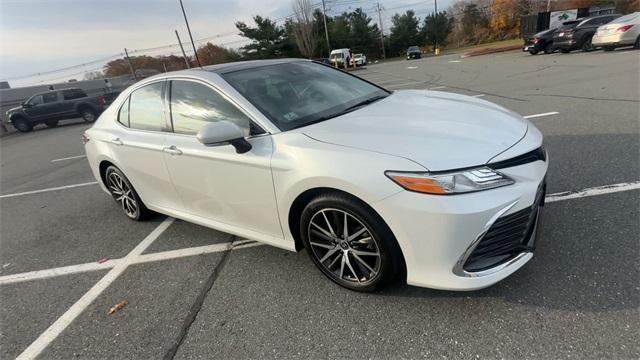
(52,106)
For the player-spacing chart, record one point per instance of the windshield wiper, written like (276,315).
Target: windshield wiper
(363,103)
(348,109)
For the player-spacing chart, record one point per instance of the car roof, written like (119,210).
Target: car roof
(244,65)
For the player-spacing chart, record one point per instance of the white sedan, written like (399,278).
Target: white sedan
(439,189)
(623,31)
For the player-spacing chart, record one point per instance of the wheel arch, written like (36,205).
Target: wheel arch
(102,170)
(299,203)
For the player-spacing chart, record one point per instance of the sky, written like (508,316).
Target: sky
(39,36)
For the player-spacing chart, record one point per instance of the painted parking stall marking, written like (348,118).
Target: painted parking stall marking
(48,189)
(69,158)
(541,115)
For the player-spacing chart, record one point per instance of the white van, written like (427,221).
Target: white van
(341,57)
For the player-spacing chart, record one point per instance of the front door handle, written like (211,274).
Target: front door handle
(173,150)
(117,141)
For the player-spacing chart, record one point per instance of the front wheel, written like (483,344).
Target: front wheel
(21,124)
(349,243)
(533,52)
(565,51)
(548,49)
(636,45)
(125,195)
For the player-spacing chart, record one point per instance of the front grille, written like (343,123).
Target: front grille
(531,156)
(509,236)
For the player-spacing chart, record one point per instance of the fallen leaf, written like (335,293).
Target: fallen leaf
(118,307)
(103,260)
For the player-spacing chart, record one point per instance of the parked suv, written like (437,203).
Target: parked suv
(578,34)
(51,106)
(413,52)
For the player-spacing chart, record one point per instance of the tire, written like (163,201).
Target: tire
(88,115)
(369,261)
(533,52)
(636,45)
(608,48)
(51,123)
(587,45)
(565,51)
(125,195)
(548,49)
(21,124)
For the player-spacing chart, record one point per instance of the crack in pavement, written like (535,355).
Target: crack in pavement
(197,304)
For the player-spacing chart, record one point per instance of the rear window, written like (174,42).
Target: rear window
(71,94)
(628,17)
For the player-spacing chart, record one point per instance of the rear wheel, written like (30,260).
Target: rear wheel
(349,243)
(51,123)
(533,51)
(88,115)
(21,124)
(125,195)
(636,45)
(587,45)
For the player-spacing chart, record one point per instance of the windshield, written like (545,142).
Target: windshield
(413,48)
(296,94)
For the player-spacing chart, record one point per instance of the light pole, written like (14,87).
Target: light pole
(189,31)
(326,31)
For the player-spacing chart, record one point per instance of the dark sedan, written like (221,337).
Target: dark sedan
(542,41)
(577,34)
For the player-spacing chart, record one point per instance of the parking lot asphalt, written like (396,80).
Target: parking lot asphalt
(194,292)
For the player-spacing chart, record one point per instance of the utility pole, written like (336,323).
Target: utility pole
(189,31)
(186,61)
(379,9)
(326,30)
(435,23)
(133,73)
(548,5)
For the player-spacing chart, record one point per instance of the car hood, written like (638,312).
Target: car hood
(439,130)
(14,109)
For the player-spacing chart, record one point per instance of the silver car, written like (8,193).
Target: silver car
(623,31)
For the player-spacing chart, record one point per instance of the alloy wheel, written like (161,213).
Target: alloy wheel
(88,116)
(123,194)
(344,246)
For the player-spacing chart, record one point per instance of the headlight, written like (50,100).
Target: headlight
(454,182)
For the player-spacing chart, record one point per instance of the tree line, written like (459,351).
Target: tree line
(466,22)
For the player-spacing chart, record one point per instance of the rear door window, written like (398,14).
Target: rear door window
(123,114)
(71,94)
(50,97)
(146,110)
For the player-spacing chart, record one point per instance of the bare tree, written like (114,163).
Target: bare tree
(304,28)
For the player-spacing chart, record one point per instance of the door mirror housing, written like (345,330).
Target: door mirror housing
(25,104)
(224,132)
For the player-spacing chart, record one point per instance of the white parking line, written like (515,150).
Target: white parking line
(69,158)
(455,61)
(541,115)
(598,190)
(437,87)
(48,189)
(479,95)
(76,309)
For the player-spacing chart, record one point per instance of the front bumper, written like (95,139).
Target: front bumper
(437,234)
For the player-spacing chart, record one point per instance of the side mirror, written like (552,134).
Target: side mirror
(25,104)
(221,132)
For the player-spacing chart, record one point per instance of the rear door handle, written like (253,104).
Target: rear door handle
(117,141)
(173,150)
